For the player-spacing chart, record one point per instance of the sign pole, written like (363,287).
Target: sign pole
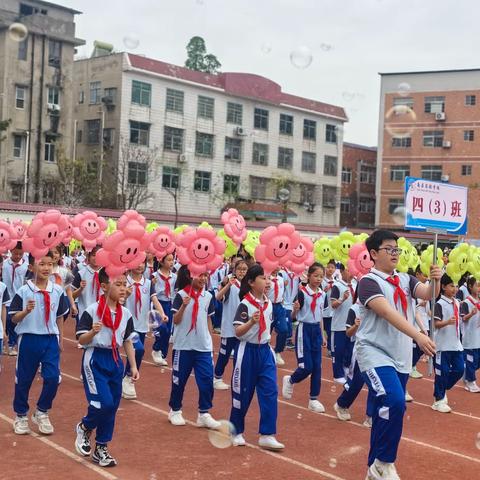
(432,306)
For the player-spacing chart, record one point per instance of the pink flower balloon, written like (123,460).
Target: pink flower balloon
(201,250)
(45,232)
(8,237)
(359,263)
(234,226)
(68,233)
(129,218)
(301,257)
(162,242)
(20,229)
(89,229)
(276,244)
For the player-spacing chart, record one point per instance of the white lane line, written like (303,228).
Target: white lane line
(65,452)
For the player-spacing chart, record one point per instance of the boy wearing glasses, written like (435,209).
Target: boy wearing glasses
(384,345)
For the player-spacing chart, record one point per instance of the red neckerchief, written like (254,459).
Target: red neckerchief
(399,293)
(236,283)
(14,267)
(352,291)
(262,324)
(275,289)
(457,317)
(138,299)
(168,290)
(46,301)
(105,315)
(330,285)
(315,297)
(58,279)
(194,295)
(474,303)
(291,276)
(96,285)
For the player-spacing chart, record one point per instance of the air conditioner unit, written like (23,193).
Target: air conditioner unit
(241,132)
(55,107)
(182,158)
(446,144)
(445,178)
(440,116)
(50,106)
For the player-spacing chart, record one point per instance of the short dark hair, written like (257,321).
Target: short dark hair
(18,246)
(445,280)
(253,272)
(374,241)
(418,269)
(471,281)
(332,262)
(31,258)
(103,276)
(314,267)
(183,278)
(93,251)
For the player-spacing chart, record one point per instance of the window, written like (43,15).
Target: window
(54,95)
(171,177)
(22,49)
(331,134)
(407,101)
(79,136)
(346,175)
(260,154)
(309,162)
(401,142)
(233,149)
(234,113)
(54,53)
(173,139)
(366,205)
(231,185)
(286,124)
(330,166)
(285,158)
(399,172)
(49,148)
(433,138)
(329,196)
(204,144)
(175,100)
(206,107)
(307,193)
(468,135)
(258,188)
(367,174)
(93,131)
(18,146)
(95,92)
(81,97)
(260,119)
(470,100)
(309,129)
(110,95)
(108,137)
(141,93)
(20,97)
(345,205)
(137,173)
(139,133)
(202,181)
(434,104)
(432,172)
(466,170)
(394,203)
(49,193)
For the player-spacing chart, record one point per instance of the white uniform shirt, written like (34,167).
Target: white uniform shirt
(447,338)
(139,312)
(4,300)
(231,301)
(13,275)
(305,299)
(471,328)
(245,311)
(339,317)
(159,287)
(277,290)
(90,293)
(291,289)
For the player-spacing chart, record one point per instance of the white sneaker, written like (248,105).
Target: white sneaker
(219,384)
(279,360)
(176,418)
(205,420)
(316,406)
(342,413)
(158,359)
(472,387)
(382,471)
(43,421)
(408,397)
(20,425)
(128,388)
(415,373)
(287,387)
(12,352)
(441,406)
(341,381)
(269,442)
(238,440)
(367,422)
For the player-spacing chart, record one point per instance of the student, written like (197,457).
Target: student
(149,266)
(462,292)
(229,295)
(164,290)
(192,309)
(276,295)
(37,310)
(103,328)
(291,292)
(4,300)
(449,364)
(383,345)
(254,361)
(341,300)
(14,271)
(307,310)
(327,285)
(470,310)
(63,276)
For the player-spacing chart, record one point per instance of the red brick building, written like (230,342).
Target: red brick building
(357,207)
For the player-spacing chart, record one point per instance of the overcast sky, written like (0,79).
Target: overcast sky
(350,41)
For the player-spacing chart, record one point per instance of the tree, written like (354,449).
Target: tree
(198,59)
(4,124)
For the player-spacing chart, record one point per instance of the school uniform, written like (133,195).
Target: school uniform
(449,364)
(291,292)
(164,289)
(38,343)
(255,368)
(341,348)
(102,368)
(92,291)
(228,341)
(422,309)
(327,285)
(193,349)
(308,341)
(4,301)
(215,281)
(471,338)
(384,356)
(149,271)
(462,292)
(276,295)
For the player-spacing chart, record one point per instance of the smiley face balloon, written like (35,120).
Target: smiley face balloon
(8,237)
(323,250)
(89,228)
(341,245)
(234,225)
(359,262)
(301,257)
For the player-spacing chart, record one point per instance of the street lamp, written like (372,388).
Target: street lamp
(284,196)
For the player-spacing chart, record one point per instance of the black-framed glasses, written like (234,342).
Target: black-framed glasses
(392,250)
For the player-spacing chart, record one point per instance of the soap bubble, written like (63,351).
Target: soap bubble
(326,47)
(17,32)
(222,437)
(400,121)
(299,416)
(266,48)
(403,89)
(131,41)
(332,463)
(398,215)
(301,57)
(477,441)
(333,388)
